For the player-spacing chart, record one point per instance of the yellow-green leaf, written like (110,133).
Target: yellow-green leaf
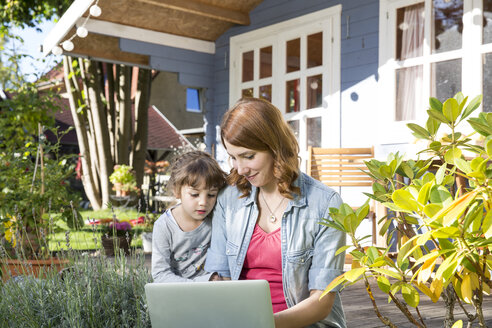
(446,232)
(451,109)
(466,290)
(488,148)
(384,284)
(426,290)
(458,324)
(436,289)
(487,225)
(410,295)
(455,209)
(342,249)
(354,274)
(424,193)
(431,209)
(452,154)
(387,272)
(404,199)
(427,268)
(334,283)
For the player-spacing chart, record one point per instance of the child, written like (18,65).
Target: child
(182,234)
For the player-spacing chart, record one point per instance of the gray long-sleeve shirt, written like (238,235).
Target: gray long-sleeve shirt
(178,255)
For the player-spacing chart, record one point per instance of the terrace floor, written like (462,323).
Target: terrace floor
(360,313)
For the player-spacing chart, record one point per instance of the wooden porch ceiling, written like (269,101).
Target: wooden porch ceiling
(194,23)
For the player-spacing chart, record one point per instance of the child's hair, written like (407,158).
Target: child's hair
(194,168)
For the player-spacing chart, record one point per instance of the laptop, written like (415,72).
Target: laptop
(214,304)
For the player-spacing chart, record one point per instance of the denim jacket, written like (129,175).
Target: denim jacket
(308,248)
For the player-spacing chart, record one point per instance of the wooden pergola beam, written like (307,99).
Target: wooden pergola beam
(202,9)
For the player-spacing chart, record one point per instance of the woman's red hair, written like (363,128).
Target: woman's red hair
(258,125)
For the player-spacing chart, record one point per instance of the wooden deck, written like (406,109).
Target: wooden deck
(360,313)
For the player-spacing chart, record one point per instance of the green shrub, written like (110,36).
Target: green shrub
(93,292)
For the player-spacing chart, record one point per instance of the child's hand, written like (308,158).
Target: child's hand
(215,277)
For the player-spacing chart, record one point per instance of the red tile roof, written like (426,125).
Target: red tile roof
(162,134)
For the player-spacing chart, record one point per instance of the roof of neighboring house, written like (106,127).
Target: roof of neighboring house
(162,134)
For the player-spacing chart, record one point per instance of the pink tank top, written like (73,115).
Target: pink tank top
(264,261)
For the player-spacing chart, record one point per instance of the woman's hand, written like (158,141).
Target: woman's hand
(307,312)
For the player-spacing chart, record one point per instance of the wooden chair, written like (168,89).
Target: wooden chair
(342,167)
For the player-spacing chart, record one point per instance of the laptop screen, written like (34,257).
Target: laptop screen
(219,304)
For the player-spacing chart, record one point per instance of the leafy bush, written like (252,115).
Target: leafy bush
(441,225)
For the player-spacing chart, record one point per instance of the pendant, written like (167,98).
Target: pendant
(273,219)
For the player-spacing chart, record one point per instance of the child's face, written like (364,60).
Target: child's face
(197,202)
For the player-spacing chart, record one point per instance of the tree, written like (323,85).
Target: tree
(102,115)
(102,112)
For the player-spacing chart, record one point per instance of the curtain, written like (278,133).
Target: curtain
(409,80)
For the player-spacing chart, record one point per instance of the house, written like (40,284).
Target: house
(344,73)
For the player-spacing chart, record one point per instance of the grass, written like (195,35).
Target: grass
(121,214)
(89,238)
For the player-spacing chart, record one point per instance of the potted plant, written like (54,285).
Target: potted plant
(123,180)
(148,227)
(116,235)
(441,227)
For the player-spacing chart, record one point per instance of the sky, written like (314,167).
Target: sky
(34,67)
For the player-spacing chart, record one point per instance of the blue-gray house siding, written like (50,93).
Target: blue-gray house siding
(359,52)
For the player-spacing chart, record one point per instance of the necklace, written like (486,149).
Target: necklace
(273,218)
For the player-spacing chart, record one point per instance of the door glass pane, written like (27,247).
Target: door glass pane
(447,79)
(448,25)
(293,55)
(314,91)
(265,62)
(408,93)
(487,21)
(248,61)
(266,92)
(247,92)
(294,125)
(315,50)
(487,83)
(292,96)
(410,31)
(314,131)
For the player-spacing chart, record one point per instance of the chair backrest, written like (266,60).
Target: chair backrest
(340,166)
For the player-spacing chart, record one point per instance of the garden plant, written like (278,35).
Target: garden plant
(439,218)
(34,175)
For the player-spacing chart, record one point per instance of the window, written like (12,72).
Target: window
(193,100)
(296,66)
(433,48)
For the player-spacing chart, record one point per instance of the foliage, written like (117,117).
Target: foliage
(30,12)
(125,176)
(443,229)
(33,175)
(93,292)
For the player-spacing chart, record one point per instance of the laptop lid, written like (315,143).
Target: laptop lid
(215,304)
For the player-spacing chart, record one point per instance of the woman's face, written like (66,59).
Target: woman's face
(256,166)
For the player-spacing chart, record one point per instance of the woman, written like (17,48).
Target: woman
(266,223)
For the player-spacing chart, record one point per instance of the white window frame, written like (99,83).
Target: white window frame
(326,20)
(470,55)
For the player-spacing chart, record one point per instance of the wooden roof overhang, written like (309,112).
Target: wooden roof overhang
(187,24)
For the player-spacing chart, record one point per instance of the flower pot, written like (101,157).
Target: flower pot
(147,242)
(38,268)
(112,245)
